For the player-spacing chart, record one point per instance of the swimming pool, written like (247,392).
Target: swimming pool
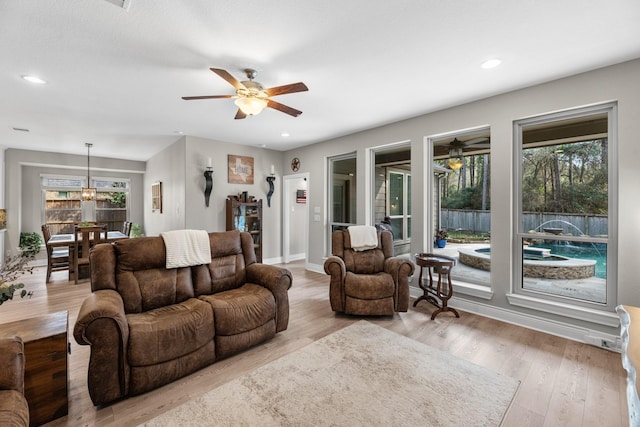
(586,251)
(539,262)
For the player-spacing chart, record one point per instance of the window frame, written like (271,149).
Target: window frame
(582,309)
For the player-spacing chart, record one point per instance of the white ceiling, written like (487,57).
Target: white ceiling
(116,75)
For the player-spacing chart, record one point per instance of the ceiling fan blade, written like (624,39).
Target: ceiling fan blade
(284,108)
(189,98)
(290,88)
(240,115)
(228,77)
(476,141)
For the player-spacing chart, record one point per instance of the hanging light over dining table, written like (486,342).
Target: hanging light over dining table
(88,192)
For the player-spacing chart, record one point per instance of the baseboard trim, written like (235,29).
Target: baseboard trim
(563,330)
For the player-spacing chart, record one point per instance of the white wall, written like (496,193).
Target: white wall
(619,83)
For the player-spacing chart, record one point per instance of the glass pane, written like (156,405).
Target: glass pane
(396,226)
(564,268)
(343,196)
(396,194)
(461,204)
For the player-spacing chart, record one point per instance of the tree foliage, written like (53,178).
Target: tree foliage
(561,178)
(468,187)
(566,178)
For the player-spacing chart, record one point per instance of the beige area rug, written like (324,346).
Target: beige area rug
(360,375)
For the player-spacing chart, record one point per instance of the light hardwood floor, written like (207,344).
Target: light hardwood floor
(563,383)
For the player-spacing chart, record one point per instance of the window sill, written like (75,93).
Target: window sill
(566,310)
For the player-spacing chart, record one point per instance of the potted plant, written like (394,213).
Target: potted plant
(441,238)
(30,242)
(13,268)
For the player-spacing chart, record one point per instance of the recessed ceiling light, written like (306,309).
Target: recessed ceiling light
(34,79)
(490,63)
(179,132)
(285,134)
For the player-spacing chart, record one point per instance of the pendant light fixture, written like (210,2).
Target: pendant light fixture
(88,192)
(455,158)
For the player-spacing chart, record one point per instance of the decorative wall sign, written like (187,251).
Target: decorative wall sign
(240,169)
(301,196)
(295,164)
(156,196)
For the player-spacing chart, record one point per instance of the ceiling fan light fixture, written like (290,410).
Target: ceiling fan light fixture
(455,163)
(251,106)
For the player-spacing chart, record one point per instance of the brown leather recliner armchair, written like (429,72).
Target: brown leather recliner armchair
(14,410)
(370,282)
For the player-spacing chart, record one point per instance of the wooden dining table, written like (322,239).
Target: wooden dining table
(68,240)
(58,240)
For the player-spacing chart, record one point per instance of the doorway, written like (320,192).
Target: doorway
(295,217)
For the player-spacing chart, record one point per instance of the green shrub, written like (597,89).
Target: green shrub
(30,242)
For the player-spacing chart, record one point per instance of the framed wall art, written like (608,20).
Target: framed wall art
(156,197)
(240,169)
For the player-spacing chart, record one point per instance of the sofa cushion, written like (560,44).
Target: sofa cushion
(369,286)
(141,277)
(14,410)
(243,309)
(166,333)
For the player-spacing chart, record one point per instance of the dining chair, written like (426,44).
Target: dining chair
(84,239)
(126,228)
(57,257)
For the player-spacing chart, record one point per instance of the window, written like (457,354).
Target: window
(62,204)
(566,198)
(461,189)
(342,196)
(399,204)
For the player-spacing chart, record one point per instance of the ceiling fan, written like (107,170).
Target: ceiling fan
(456,149)
(251,97)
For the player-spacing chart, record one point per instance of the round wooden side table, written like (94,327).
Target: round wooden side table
(438,293)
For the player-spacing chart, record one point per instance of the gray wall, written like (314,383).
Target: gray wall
(181,167)
(23,197)
(618,82)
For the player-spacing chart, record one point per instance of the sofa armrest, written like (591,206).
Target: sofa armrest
(400,269)
(12,362)
(334,266)
(102,324)
(278,281)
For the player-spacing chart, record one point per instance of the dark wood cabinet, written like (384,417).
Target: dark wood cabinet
(244,213)
(45,377)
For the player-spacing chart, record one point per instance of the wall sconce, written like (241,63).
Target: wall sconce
(208,183)
(270,180)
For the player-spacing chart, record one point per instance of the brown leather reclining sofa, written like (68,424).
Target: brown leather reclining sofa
(14,410)
(148,325)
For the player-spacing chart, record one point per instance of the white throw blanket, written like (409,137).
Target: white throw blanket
(363,237)
(185,248)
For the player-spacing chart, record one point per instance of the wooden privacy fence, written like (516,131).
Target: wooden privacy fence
(479,222)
